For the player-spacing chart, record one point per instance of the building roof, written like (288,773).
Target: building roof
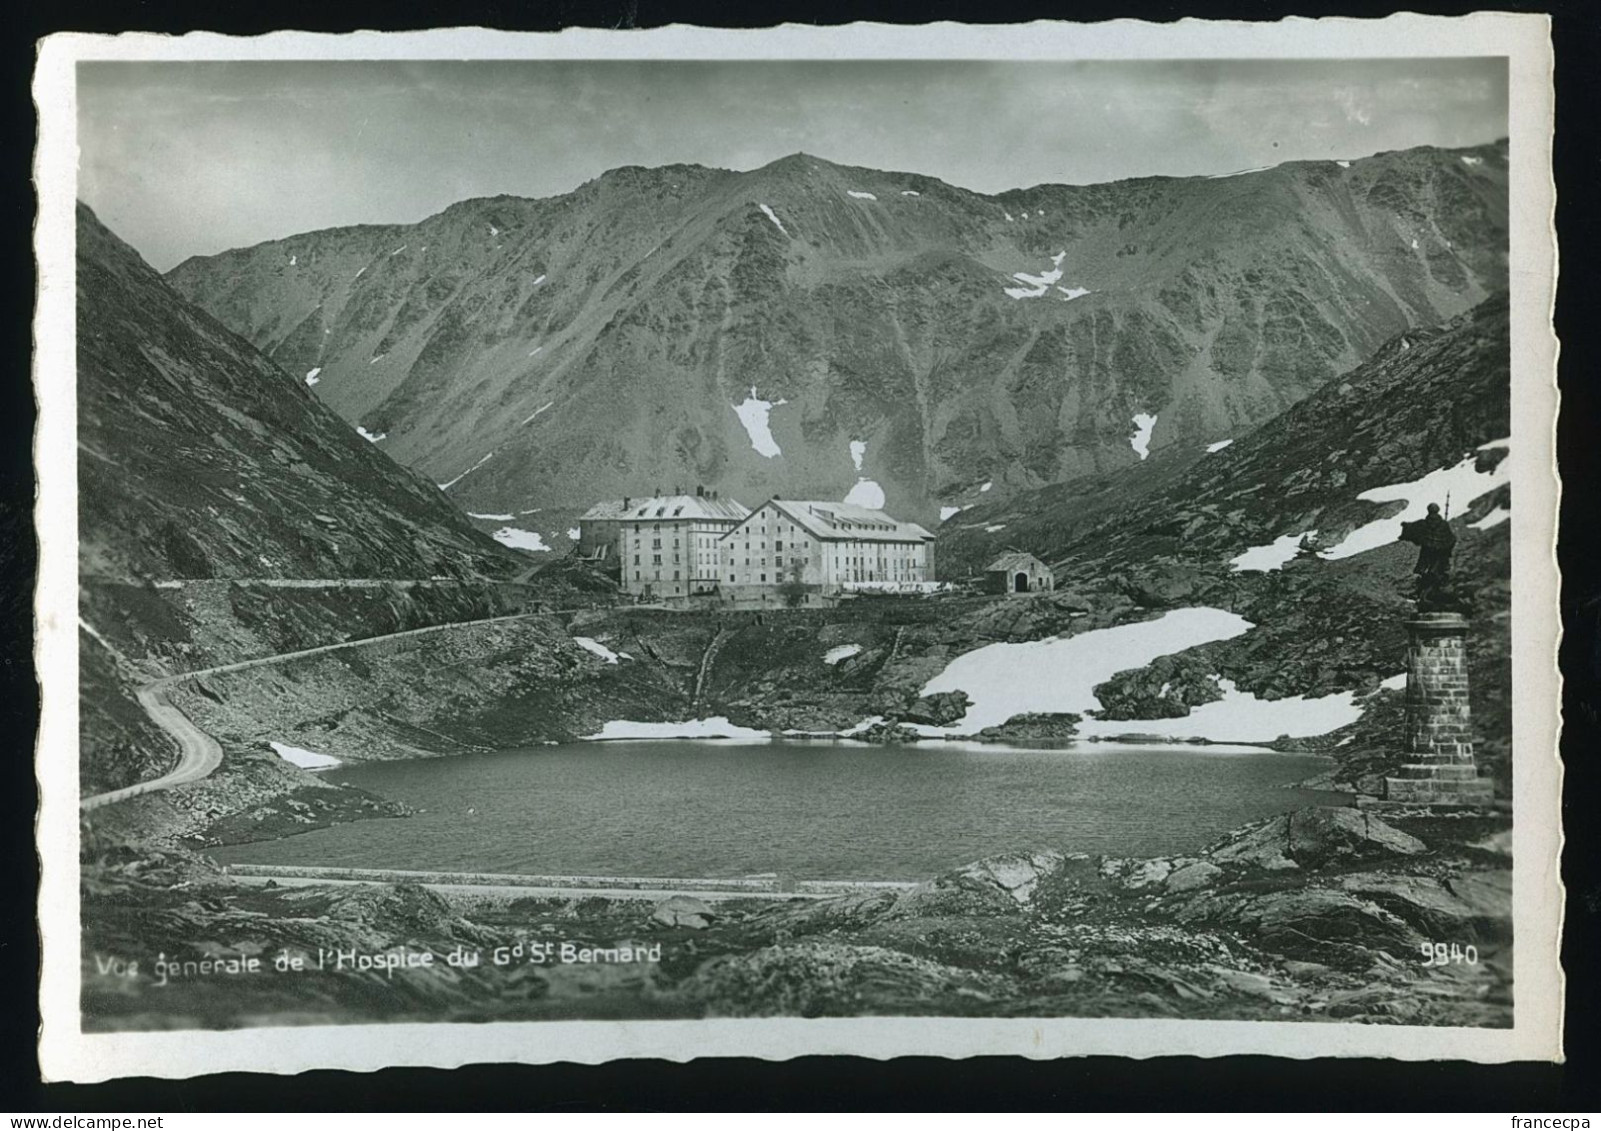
(667,507)
(1013,560)
(840,522)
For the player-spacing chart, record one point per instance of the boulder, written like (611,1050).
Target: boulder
(937,710)
(1472,908)
(1325,925)
(1017,874)
(887,734)
(1192,876)
(1033,727)
(1313,838)
(683,911)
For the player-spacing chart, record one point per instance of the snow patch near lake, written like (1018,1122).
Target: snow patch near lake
(867,493)
(715,727)
(370,437)
(520,539)
(305,759)
(858,450)
(1218,446)
(753,413)
(843,652)
(595,646)
(1275,555)
(1463,482)
(1494,518)
(1144,424)
(1061,673)
(860,195)
(774,218)
(311,375)
(1241,717)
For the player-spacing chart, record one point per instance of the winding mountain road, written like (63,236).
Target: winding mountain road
(198,753)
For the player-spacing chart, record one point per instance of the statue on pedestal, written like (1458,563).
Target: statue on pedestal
(1433,537)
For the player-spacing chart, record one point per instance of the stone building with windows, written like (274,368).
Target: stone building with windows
(667,545)
(1016,573)
(833,546)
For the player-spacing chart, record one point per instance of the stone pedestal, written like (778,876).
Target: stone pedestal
(1439,735)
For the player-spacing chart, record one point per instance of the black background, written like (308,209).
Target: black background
(820,1083)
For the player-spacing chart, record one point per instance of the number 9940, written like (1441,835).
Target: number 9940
(1441,954)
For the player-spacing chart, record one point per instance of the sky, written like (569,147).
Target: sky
(184,159)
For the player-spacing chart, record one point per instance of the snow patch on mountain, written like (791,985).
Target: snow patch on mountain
(858,450)
(535,350)
(1265,559)
(469,471)
(753,414)
(311,375)
(986,486)
(596,647)
(867,493)
(774,218)
(1394,683)
(397,251)
(1039,284)
(860,195)
(843,652)
(1463,482)
(1343,164)
(1469,159)
(377,359)
(537,281)
(574,533)
(294,259)
(1239,173)
(520,539)
(370,437)
(491,517)
(910,192)
(995,528)
(1144,424)
(358,274)
(951,512)
(537,411)
(1071,293)
(1218,446)
(1061,673)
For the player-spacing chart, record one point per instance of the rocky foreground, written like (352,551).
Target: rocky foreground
(1321,914)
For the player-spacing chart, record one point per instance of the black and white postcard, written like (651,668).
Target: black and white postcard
(877,540)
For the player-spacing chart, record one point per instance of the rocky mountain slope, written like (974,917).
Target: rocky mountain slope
(661,327)
(198,458)
(1427,416)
